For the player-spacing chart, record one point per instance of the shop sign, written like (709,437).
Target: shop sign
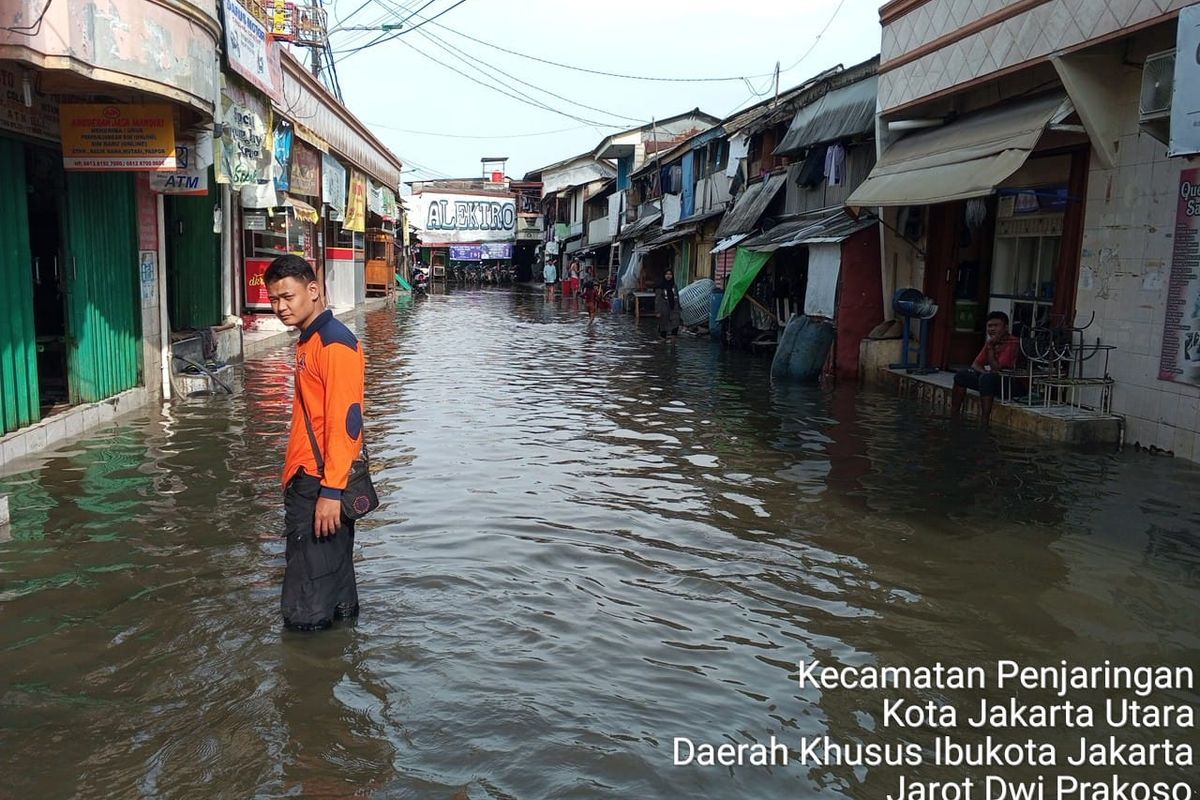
(245,148)
(1180,358)
(493,250)
(38,120)
(306,170)
(101,137)
(257,296)
(391,210)
(283,20)
(283,154)
(466,252)
(333,186)
(188,178)
(464,218)
(254,222)
(356,204)
(251,52)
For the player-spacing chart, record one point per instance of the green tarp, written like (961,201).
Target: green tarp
(746,266)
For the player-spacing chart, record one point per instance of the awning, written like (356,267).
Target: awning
(641,226)
(668,237)
(703,215)
(844,112)
(746,266)
(728,242)
(574,246)
(302,209)
(964,159)
(750,206)
(826,229)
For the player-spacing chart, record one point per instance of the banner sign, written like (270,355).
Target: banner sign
(38,120)
(333,186)
(283,154)
(245,148)
(117,138)
(466,252)
(283,20)
(188,178)
(257,297)
(306,170)
(463,218)
(496,250)
(391,210)
(310,26)
(375,199)
(251,52)
(1180,359)
(356,204)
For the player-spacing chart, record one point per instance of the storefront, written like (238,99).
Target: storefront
(994,202)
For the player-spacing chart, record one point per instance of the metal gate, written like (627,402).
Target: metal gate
(19,402)
(104,336)
(193,261)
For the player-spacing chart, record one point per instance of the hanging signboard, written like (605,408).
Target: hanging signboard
(39,119)
(333,186)
(375,199)
(245,146)
(188,178)
(356,204)
(493,250)
(117,138)
(391,210)
(283,154)
(251,52)
(466,252)
(283,20)
(310,26)
(447,218)
(306,170)
(1180,358)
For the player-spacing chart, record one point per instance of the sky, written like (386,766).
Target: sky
(442,118)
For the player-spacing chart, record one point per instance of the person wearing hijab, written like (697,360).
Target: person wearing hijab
(666,303)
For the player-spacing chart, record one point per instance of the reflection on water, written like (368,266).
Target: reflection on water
(592,542)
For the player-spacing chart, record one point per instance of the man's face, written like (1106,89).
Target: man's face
(293,300)
(996,328)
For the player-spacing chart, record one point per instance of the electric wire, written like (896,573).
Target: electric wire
(443,135)
(35,28)
(815,41)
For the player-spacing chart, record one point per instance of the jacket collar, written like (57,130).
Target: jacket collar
(316,325)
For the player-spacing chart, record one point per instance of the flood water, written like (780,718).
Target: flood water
(592,543)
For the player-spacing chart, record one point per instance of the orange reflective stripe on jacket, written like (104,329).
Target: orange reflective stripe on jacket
(330,370)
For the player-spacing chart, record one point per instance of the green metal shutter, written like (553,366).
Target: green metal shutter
(193,261)
(19,403)
(103,311)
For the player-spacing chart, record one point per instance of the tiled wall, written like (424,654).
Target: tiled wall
(1029,36)
(1125,265)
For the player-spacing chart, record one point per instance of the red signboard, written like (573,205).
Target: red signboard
(257,298)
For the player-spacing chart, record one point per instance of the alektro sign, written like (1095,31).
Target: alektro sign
(464,218)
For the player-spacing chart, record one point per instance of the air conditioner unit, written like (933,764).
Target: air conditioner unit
(1154,104)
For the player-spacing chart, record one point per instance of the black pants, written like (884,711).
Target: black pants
(987,383)
(318,581)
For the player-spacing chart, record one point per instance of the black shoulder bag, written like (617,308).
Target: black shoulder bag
(359,497)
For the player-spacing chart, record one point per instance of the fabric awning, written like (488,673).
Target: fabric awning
(844,112)
(750,206)
(302,209)
(964,159)
(825,229)
(746,266)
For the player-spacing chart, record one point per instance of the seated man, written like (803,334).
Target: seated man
(1000,351)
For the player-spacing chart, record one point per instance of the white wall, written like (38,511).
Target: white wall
(1124,270)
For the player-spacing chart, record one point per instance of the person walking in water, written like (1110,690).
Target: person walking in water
(318,581)
(549,276)
(666,303)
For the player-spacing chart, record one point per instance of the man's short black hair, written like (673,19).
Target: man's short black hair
(1000,315)
(289,266)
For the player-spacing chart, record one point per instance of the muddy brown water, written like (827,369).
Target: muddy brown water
(592,543)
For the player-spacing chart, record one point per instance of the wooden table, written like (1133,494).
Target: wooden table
(637,303)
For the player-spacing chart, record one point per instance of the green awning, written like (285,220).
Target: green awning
(746,266)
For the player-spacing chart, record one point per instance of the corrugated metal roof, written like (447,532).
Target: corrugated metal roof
(750,206)
(641,226)
(848,111)
(830,228)
(703,215)
(670,236)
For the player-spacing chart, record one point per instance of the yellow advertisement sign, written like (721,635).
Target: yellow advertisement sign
(356,204)
(103,137)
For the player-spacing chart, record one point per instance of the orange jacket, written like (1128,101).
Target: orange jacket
(330,370)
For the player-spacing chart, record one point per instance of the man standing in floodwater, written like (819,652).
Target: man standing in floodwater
(318,581)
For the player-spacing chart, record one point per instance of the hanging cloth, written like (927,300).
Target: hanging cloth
(835,165)
(812,171)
